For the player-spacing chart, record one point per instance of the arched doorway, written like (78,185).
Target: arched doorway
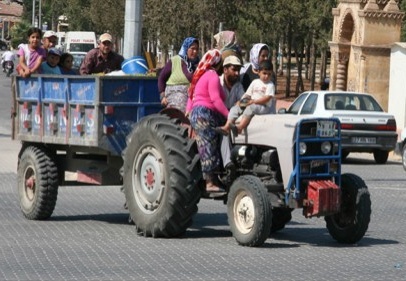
(363,34)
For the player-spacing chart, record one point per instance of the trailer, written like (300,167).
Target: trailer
(74,130)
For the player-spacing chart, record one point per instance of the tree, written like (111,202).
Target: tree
(101,10)
(19,33)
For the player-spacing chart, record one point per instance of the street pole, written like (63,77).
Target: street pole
(133,28)
(33,13)
(39,14)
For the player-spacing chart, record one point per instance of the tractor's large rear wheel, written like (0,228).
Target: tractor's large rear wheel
(351,223)
(249,211)
(161,171)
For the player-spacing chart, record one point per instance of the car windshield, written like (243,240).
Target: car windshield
(81,47)
(77,60)
(294,108)
(350,101)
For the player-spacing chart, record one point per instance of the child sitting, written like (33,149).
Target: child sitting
(50,66)
(259,99)
(66,64)
(31,55)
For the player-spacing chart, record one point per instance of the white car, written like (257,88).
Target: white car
(365,127)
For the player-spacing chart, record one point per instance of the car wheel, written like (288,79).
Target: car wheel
(404,157)
(344,155)
(381,156)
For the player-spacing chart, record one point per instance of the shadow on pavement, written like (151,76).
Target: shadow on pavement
(321,238)
(109,218)
(209,225)
(364,161)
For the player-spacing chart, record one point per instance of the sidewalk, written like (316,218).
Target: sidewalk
(9,154)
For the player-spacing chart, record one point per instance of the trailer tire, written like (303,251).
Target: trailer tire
(351,223)
(160,175)
(249,211)
(37,183)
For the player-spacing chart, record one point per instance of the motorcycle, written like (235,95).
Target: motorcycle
(9,65)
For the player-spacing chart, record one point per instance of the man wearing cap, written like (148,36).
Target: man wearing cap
(49,40)
(230,80)
(101,59)
(50,66)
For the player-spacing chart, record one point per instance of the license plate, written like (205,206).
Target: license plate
(317,163)
(363,140)
(325,129)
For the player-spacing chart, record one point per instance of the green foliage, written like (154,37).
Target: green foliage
(293,23)
(19,33)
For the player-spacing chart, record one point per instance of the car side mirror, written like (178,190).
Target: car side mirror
(282,110)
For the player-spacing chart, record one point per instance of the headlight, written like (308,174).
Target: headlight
(326,147)
(302,148)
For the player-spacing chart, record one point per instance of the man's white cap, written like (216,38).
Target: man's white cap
(49,33)
(232,60)
(105,37)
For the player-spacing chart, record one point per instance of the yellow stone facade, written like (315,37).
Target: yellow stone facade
(363,34)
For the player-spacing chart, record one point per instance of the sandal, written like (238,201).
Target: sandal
(215,191)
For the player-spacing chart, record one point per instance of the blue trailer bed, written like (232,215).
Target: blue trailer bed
(91,111)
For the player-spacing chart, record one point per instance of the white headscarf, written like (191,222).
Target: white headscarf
(254,54)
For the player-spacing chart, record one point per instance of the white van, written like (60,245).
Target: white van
(80,41)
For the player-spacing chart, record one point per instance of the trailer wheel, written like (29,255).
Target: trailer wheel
(37,183)
(351,223)
(280,217)
(344,154)
(161,171)
(249,211)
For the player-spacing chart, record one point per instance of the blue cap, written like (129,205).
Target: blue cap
(54,51)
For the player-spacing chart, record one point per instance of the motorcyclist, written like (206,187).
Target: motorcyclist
(7,56)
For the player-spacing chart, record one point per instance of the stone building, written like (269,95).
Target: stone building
(10,13)
(363,35)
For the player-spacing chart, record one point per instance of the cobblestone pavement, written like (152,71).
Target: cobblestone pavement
(88,237)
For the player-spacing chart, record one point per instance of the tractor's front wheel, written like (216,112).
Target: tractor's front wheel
(249,211)
(351,223)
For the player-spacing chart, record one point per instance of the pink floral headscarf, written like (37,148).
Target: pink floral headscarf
(209,59)
(225,39)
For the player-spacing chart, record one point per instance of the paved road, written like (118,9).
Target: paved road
(89,238)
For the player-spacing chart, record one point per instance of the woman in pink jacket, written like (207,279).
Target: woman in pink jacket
(207,111)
